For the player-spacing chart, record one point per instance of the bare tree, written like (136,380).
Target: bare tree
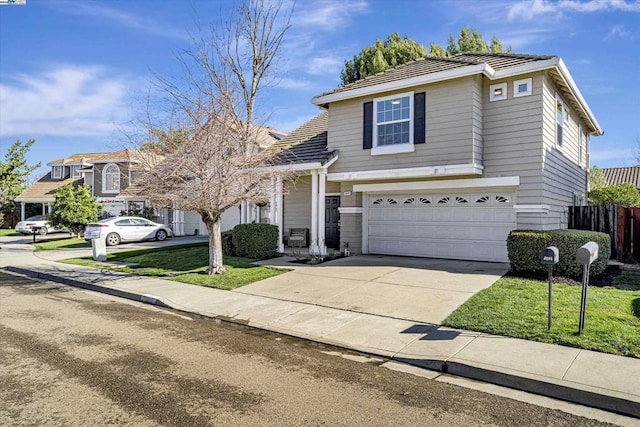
(210,154)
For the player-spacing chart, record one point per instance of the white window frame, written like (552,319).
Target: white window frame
(581,139)
(56,172)
(106,190)
(516,87)
(74,171)
(563,114)
(404,147)
(492,91)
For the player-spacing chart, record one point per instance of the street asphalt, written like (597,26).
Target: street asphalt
(376,323)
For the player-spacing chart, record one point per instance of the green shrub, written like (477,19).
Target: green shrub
(255,241)
(227,243)
(525,250)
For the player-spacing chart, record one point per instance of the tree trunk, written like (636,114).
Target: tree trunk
(215,246)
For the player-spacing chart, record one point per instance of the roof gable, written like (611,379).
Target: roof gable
(492,65)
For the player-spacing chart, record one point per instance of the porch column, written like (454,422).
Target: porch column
(280,217)
(182,222)
(44,209)
(272,203)
(243,212)
(22,207)
(322,246)
(314,209)
(48,208)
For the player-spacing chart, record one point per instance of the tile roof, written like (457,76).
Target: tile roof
(80,158)
(429,65)
(628,175)
(42,191)
(306,144)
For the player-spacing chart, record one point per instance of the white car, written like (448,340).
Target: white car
(126,229)
(39,223)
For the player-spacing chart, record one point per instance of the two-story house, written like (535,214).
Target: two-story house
(108,176)
(105,174)
(440,157)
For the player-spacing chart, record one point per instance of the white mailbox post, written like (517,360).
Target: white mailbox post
(99,247)
(550,257)
(585,256)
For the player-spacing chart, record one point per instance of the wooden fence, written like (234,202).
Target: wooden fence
(619,222)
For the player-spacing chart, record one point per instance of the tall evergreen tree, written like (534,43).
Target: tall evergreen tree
(397,50)
(14,175)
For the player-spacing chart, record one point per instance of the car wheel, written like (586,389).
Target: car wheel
(113,239)
(42,231)
(161,235)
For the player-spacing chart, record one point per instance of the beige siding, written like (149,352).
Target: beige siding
(452,127)
(563,176)
(297,205)
(512,137)
(351,232)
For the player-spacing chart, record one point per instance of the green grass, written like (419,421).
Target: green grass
(517,308)
(186,264)
(8,232)
(65,242)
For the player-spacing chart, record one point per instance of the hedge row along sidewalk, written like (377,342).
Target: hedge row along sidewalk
(183,263)
(517,307)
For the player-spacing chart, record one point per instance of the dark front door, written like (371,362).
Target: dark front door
(331,217)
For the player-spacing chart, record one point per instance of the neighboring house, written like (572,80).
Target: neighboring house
(108,176)
(184,222)
(440,157)
(105,174)
(628,175)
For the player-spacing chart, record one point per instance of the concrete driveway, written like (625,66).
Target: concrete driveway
(416,289)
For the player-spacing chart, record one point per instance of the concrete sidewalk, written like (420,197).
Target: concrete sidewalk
(586,377)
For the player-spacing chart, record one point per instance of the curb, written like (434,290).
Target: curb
(575,395)
(147,299)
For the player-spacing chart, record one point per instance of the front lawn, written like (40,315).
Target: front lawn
(517,307)
(67,242)
(8,232)
(183,263)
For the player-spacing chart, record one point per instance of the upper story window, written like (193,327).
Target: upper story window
(497,92)
(75,171)
(56,172)
(393,124)
(393,120)
(522,87)
(560,120)
(111,178)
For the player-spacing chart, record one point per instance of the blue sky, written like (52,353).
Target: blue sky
(72,70)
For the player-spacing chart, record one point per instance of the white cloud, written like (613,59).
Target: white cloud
(327,14)
(324,65)
(618,31)
(528,9)
(66,100)
(289,83)
(141,23)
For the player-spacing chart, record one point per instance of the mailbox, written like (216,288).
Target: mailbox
(550,255)
(587,253)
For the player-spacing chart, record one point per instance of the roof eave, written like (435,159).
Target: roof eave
(470,70)
(571,84)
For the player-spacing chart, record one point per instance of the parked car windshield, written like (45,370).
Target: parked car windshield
(36,218)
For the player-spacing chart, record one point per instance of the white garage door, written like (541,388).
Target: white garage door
(457,226)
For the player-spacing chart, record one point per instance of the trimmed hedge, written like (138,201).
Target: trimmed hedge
(255,241)
(227,243)
(525,250)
